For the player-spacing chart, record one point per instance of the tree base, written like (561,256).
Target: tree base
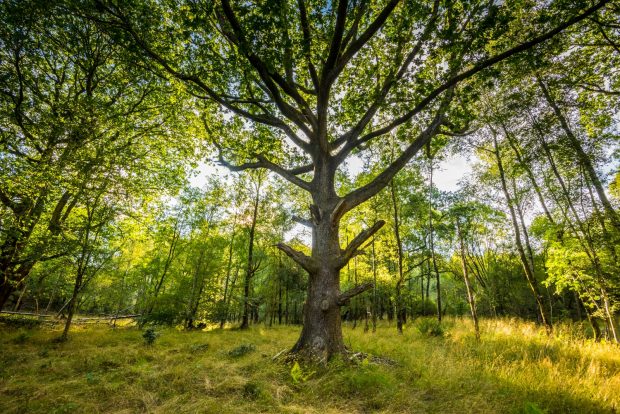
(354,358)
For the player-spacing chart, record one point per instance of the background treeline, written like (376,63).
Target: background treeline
(98,215)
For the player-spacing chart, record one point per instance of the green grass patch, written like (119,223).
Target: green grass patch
(513,369)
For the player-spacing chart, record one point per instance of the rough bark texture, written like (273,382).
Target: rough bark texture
(321,335)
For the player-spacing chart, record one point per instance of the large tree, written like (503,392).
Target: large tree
(297,87)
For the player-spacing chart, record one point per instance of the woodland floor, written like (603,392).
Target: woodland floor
(514,369)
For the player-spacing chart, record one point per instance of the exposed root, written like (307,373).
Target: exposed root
(289,357)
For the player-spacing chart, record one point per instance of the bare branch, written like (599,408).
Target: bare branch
(344,297)
(352,249)
(301,259)
(301,220)
(262,162)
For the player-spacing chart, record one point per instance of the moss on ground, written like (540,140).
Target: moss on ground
(514,369)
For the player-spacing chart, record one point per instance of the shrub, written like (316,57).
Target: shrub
(430,327)
(149,336)
(299,375)
(422,308)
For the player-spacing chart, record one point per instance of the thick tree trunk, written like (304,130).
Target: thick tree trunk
(321,335)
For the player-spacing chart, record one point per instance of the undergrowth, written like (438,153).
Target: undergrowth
(515,368)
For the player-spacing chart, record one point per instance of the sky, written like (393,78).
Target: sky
(446,176)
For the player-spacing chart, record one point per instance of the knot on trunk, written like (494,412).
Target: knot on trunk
(324,305)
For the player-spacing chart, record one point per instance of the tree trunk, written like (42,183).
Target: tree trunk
(399,246)
(431,240)
(470,294)
(73,303)
(225,300)
(374,288)
(528,270)
(321,335)
(585,239)
(529,172)
(250,269)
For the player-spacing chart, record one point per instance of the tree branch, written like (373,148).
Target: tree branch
(298,257)
(362,194)
(344,297)
(358,43)
(305,27)
(262,162)
(478,68)
(352,249)
(301,220)
(267,119)
(269,77)
(334,48)
(351,135)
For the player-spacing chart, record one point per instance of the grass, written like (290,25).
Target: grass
(514,369)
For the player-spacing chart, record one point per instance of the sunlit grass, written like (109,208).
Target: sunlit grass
(514,369)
